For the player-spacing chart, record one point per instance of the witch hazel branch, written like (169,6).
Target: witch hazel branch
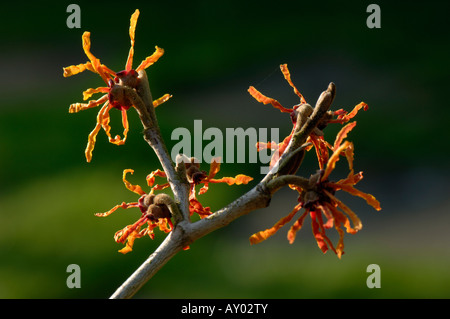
(181,215)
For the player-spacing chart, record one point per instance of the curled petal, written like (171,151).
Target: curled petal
(321,149)
(264,234)
(165,225)
(351,179)
(196,207)
(96,65)
(117,140)
(151,177)
(296,227)
(333,159)
(349,154)
(102,114)
(151,59)
(347,117)
(343,134)
(134,188)
(123,205)
(89,92)
(340,244)
(76,107)
(238,180)
(267,100)
(287,76)
(130,242)
(370,199)
(161,100)
(75,69)
(319,233)
(357,225)
(133,22)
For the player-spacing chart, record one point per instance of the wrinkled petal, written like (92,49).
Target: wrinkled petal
(333,159)
(134,188)
(123,234)
(151,177)
(320,146)
(130,242)
(238,180)
(76,107)
(357,225)
(165,225)
(370,199)
(123,205)
(96,65)
(117,140)
(161,100)
(133,22)
(328,214)
(196,207)
(296,227)
(75,69)
(89,92)
(287,76)
(350,180)
(264,234)
(93,135)
(317,233)
(343,134)
(151,180)
(340,244)
(347,117)
(151,59)
(267,100)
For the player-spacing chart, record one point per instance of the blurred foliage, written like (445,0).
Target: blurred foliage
(48,193)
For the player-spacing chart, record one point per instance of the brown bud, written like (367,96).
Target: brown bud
(148,200)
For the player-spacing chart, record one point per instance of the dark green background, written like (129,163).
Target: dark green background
(49,194)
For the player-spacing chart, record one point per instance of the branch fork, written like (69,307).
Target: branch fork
(185,232)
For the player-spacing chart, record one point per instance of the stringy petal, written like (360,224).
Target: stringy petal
(267,100)
(343,134)
(296,227)
(89,92)
(76,107)
(75,69)
(161,100)
(133,22)
(123,205)
(134,188)
(151,59)
(333,159)
(287,76)
(264,234)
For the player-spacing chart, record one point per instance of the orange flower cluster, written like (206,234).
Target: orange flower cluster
(127,77)
(318,199)
(195,177)
(154,210)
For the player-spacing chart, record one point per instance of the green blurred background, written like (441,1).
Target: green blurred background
(49,194)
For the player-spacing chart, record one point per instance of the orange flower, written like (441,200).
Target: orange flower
(127,77)
(320,203)
(281,147)
(195,177)
(317,141)
(153,213)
